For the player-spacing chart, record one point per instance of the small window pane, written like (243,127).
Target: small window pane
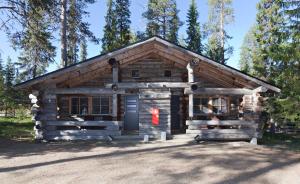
(168,73)
(75,106)
(104,109)
(135,73)
(84,105)
(215,101)
(104,101)
(197,101)
(204,101)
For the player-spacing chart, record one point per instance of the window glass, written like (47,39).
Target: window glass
(75,106)
(135,74)
(63,105)
(84,106)
(101,105)
(201,105)
(168,73)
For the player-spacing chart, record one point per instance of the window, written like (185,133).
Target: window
(219,105)
(135,74)
(79,105)
(168,73)
(63,105)
(101,105)
(201,105)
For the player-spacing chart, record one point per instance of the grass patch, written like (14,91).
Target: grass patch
(281,140)
(16,128)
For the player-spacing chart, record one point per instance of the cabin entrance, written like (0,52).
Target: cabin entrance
(175,114)
(131,119)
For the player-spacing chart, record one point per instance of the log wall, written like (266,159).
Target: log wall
(149,99)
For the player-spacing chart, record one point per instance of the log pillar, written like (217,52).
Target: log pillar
(35,109)
(115,75)
(191,79)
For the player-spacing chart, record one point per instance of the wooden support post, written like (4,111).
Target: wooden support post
(34,111)
(191,96)
(115,75)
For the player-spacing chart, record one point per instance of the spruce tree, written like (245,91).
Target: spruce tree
(123,22)
(193,30)
(109,42)
(220,15)
(269,36)
(9,73)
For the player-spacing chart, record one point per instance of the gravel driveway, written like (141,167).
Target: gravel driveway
(157,162)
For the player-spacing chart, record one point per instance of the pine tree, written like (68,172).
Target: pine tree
(77,29)
(193,30)
(109,42)
(248,51)
(35,42)
(220,15)
(83,50)
(63,33)
(72,33)
(162,19)
(123,22)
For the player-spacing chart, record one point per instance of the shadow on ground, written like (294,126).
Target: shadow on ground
(177,163)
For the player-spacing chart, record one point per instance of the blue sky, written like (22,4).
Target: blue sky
(244,11)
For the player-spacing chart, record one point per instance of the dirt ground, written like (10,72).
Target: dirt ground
(156,162)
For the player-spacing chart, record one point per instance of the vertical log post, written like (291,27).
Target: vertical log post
(115,75)
(34,111)
(190,70)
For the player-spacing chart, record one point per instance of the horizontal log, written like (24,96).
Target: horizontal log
(220,91)
(82,132)
(216,132)
(82,137)
(219,136)
(151,85)
(95,91)
(84,123)
(221,122)
(156,96)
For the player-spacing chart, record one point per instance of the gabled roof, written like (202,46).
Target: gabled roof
(162,46)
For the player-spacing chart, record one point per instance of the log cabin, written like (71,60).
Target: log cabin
(152,87)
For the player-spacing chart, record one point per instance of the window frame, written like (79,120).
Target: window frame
(211,106)
(137,72)
(79,104)
(109,104)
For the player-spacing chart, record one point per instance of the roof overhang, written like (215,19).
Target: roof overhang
(134,51)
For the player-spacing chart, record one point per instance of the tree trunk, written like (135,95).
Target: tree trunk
(63,23)
(222,34)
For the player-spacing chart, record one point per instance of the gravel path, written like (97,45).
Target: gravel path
(157,162)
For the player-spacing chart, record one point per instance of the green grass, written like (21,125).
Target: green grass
(285,141)
(16,128)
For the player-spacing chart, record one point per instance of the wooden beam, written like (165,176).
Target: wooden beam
(219,91)
(115,76)
(84,123)
(85,91)
(191,79)
(150,85)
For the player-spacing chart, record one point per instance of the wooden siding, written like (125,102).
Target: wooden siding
(148,100)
